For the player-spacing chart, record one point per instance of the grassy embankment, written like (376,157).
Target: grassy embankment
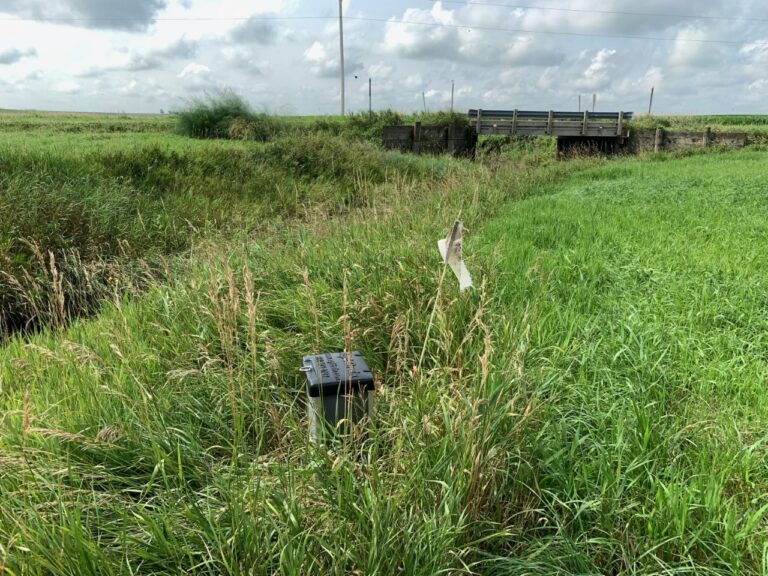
(755,126)
(594,407)
(84,198)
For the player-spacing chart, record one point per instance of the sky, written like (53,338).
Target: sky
(282,56)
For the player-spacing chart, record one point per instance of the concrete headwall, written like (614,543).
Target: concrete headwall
(649,140)
(420,139)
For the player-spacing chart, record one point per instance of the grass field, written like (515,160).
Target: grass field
(595,406)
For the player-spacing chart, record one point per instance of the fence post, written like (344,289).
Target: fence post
(707,140)
(658,141)
(417,138)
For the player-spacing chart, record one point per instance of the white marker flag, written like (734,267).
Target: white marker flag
(450,250)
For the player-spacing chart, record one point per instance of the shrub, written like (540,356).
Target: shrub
(261,128)
(213,116)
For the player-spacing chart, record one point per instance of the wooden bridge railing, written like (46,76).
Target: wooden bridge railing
(531,123)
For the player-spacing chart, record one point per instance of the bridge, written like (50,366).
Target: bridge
(594,131)
(603,131)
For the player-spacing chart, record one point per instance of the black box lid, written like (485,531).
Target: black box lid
(328,374)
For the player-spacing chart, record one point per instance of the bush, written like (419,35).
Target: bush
(261,128)
(223,116)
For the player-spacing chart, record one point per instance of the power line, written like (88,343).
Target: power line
(471,27)
(609,12)
(468,27)
(56,20)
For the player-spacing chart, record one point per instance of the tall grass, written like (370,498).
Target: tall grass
(195,457)
(595,406)
(98,211)
(226,115)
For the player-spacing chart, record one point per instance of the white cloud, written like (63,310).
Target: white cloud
(413,81)
(599,73)
(689,50)
(439,34)
(380,71)
(67,87)
(316,54)
(194,69)
(323,65)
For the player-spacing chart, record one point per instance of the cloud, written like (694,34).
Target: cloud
(323,65)
(254,31)
(598,74)
(193,69)
(439,34)
(15,55)
(413,81)
(423,41)
(67,87)
(245,60)
(612,17)
(130,87)
(530,51)
(688,49)
(199,78)
(380,71)
(129,15)
(182,49)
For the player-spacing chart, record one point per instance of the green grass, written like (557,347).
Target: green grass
(45,122)
(642,291)
(595,406)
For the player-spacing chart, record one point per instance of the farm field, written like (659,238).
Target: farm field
(595,406)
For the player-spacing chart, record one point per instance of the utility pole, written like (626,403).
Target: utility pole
(650,104)
(579,102)
(370,98)
(453,84)
(424,98)
(594,101)
(341,50)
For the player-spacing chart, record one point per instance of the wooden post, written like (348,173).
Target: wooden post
(417,138)
(479,121)
(584,123)
(658,141)
(549,121)
(514,121)
(707,140)
(650,103)
(620,127)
